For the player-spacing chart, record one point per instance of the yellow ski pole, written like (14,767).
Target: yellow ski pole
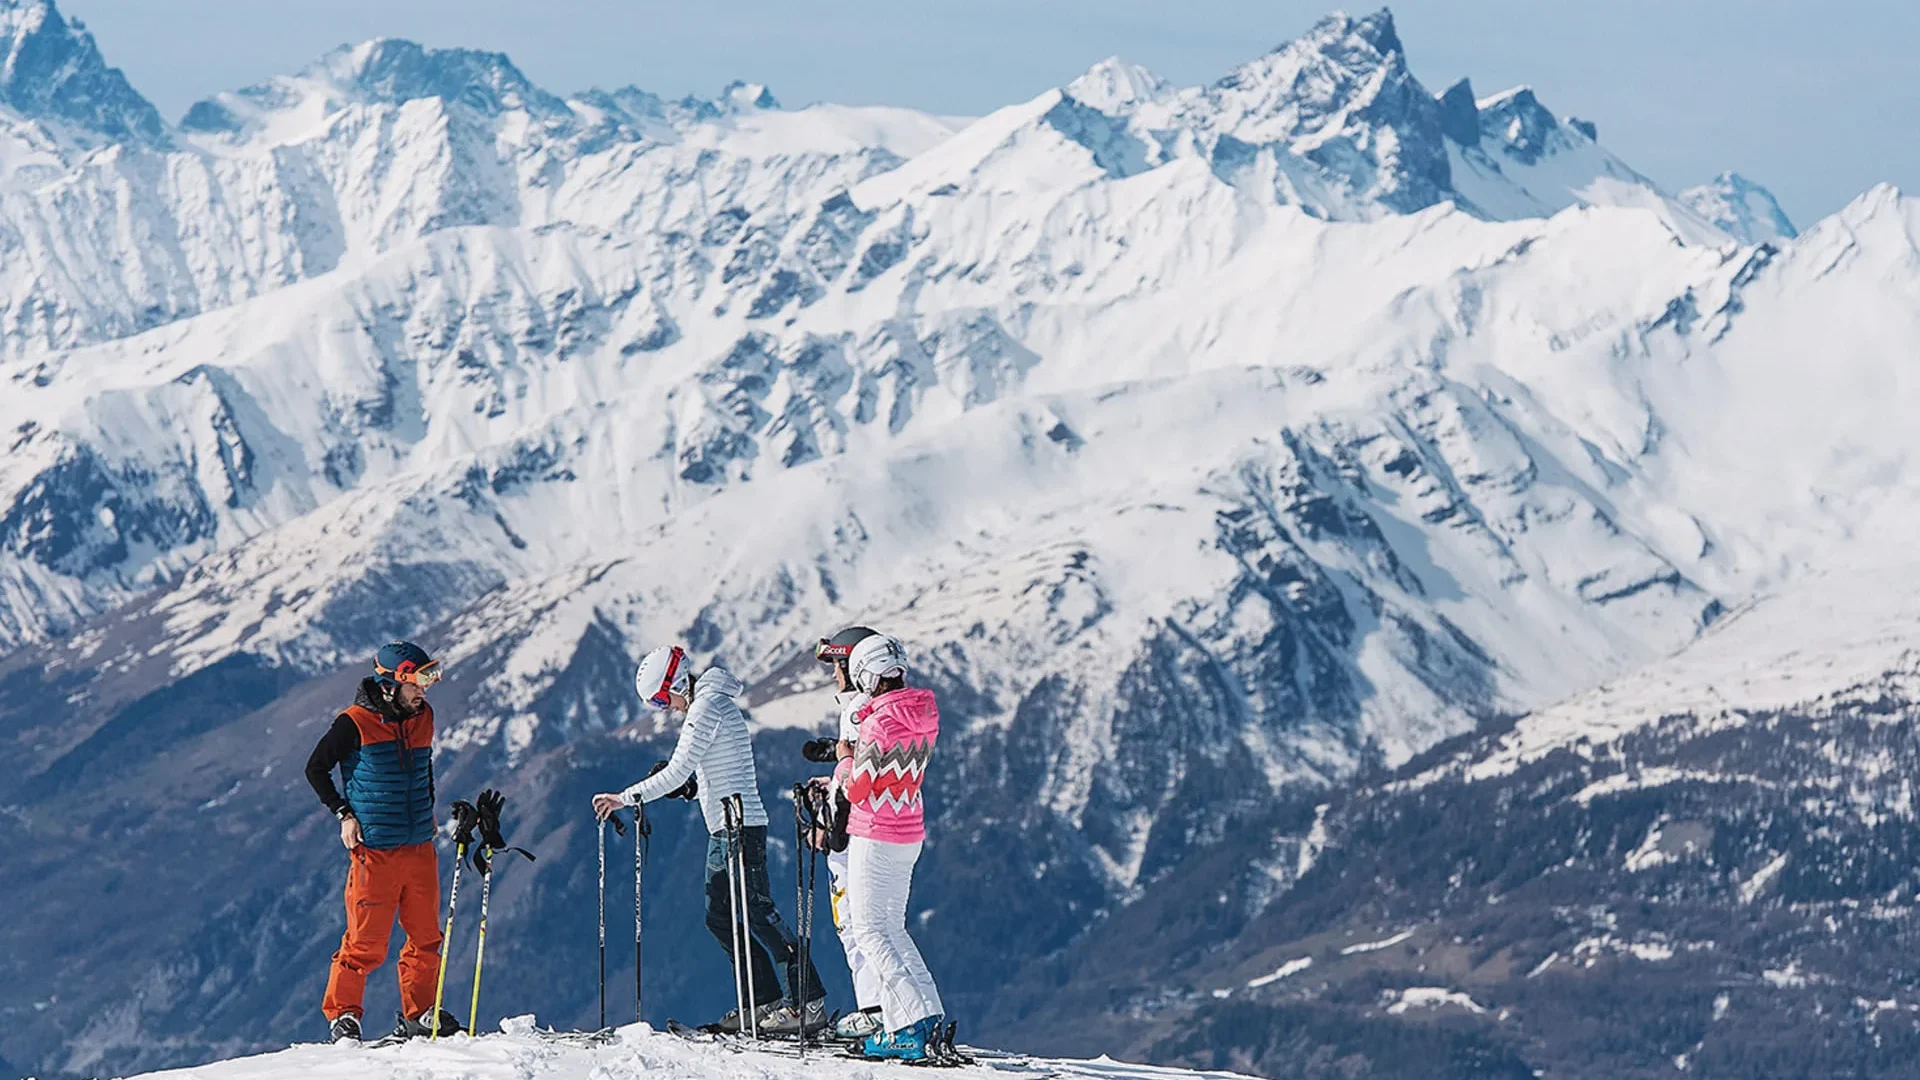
(453,897)
(480,951)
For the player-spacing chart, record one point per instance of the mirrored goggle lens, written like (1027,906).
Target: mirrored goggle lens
(427,675)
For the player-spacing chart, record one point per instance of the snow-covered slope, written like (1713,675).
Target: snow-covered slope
(1831,639)
(635,1052)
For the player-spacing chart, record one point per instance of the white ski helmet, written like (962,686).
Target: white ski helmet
(664,669)
(876,658)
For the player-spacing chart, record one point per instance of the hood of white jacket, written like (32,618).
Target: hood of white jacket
(717,680)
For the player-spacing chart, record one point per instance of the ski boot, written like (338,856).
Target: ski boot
(855,1027)
(345,1028)
(907,1044)
(729,1024)
(414,1029)
(784,1020)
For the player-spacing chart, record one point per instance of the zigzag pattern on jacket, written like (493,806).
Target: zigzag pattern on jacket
(889,779)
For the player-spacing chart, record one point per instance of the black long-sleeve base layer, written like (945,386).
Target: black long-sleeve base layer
(341,739)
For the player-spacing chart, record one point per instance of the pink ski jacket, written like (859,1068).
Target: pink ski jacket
(882,778)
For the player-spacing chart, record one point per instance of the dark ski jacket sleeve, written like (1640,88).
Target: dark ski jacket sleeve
(341,739)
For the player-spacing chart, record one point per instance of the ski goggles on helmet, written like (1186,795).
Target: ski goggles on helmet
(420,675)
(660,700)
(828,653)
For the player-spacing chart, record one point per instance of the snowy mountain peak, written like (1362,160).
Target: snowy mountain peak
(389,71)
(1460,114)
(1516,117)
(659,118)
(1341,97)
(1333,123)
(1338,45)
(1339,31)
(744,96)
(1517,121)
(53,72)
(1741,207)
(1113,85)
(396,71)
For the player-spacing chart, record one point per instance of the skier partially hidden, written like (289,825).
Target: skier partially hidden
(865,1020)
(383,746)
(715,748)
(898,726)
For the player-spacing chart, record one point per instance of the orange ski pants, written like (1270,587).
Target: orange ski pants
(380,884)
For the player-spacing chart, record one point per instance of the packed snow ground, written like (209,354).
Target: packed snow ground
(640,1053)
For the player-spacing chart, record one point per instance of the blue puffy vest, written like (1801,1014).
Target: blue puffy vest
(389,780)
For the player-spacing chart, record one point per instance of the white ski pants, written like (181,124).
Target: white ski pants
(879,876)
(866,989)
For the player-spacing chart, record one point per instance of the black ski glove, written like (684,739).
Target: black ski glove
(487,816)
(466,818)
(490,803)
(842,814)
(821,751)
(688,791)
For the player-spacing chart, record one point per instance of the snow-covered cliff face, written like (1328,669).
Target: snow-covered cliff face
(1204,443)
(54,78)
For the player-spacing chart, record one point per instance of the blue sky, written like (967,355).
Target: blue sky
(1817,101)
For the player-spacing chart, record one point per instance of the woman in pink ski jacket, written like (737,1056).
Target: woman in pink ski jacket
(886,827)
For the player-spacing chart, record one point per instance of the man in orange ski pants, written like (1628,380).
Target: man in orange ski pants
(380,884)
(382,745)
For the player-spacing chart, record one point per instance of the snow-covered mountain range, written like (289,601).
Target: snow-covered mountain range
(1704,866)
(1207,445)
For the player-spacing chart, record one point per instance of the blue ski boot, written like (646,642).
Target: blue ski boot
(907,1044)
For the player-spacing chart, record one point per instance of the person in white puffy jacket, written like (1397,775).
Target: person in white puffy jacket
(716,748)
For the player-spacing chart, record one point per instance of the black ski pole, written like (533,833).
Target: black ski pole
(813,891)
(642,838)
(802,850)
(800,946)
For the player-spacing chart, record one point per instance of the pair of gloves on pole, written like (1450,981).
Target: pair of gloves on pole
(822,807)
(482,817)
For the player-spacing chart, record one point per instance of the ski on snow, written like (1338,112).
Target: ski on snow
(941,1053)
